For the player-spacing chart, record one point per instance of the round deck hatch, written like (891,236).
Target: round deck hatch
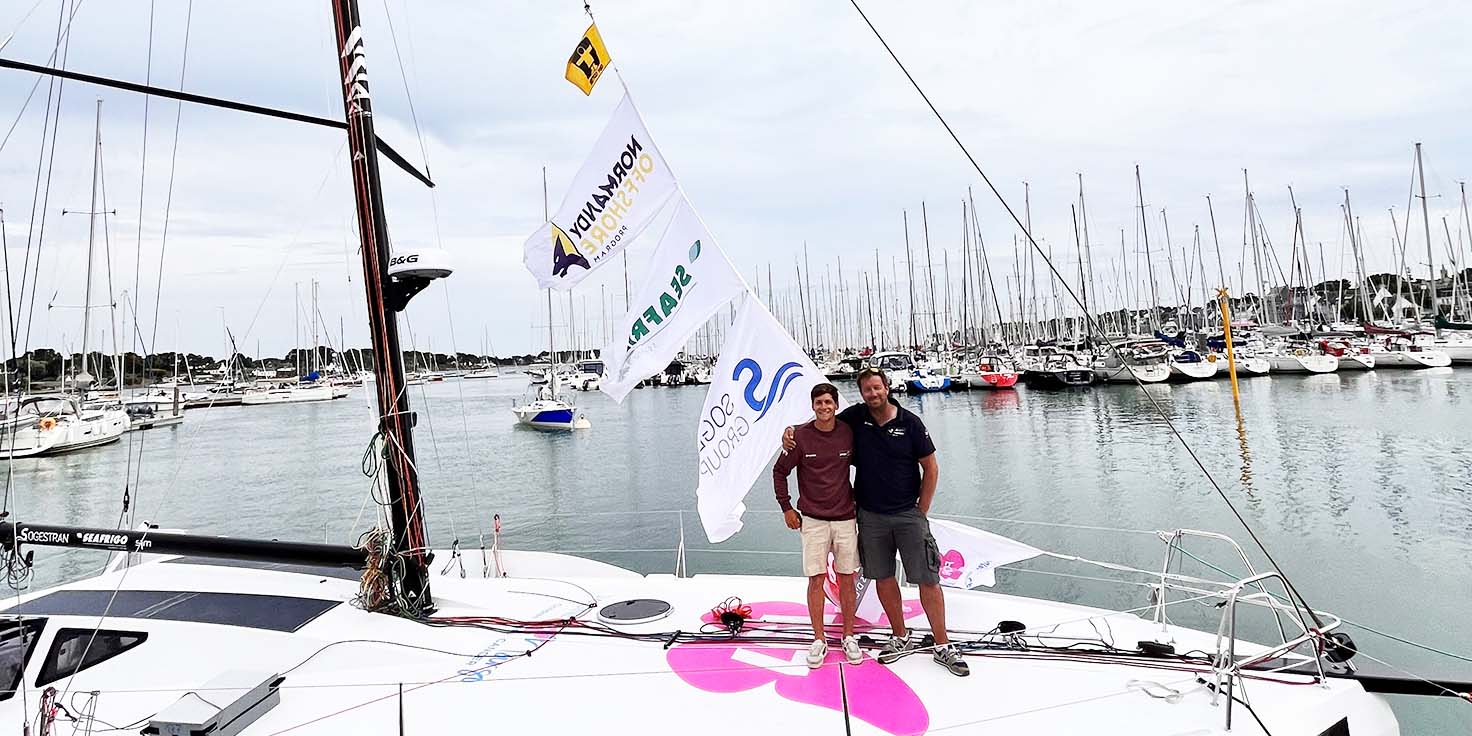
(635,611)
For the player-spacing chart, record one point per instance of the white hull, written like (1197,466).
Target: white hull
(294,395)
(1310,363)
(1204,370)
(1250,366)
(1153,373)
(342,666)
(1412,359)
(1357,362)
(1459,352)
(483,373)
(93,427)
(551,415)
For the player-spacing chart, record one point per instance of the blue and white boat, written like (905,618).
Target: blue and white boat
(551,414)
(922,381)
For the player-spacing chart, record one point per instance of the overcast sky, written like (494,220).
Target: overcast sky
(785,122)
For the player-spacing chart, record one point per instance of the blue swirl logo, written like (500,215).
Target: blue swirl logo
(775,390)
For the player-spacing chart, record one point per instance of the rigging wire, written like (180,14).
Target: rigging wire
(1092,323)
(137,334)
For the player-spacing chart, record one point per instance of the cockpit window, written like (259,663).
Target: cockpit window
(74,650)
(17,639)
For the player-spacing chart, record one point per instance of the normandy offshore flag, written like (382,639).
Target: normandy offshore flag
(687,281)
(621,186)
(588,61)
(760,386)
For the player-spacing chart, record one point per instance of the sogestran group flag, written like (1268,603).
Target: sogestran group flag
(760,386)
(621,186)
(688,280)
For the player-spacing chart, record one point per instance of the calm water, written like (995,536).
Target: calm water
(1361,485)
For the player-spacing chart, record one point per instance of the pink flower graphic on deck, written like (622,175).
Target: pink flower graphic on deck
(952,565)
(876,695)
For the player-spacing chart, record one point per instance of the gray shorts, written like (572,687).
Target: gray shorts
(906,533)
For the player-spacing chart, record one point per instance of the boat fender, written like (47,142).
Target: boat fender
(1338,647)
(1157,649)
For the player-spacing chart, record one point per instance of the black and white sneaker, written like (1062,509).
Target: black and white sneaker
(950,657)
(895,648)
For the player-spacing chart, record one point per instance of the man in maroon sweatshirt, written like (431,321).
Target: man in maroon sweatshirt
(825,514)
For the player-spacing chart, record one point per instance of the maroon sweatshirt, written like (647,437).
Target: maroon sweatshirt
(822,460)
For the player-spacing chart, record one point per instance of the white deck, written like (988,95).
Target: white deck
(592,684)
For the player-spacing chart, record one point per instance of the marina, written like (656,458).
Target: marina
(1059,470)
(1208,484)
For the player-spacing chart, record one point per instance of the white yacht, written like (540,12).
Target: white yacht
(51,425)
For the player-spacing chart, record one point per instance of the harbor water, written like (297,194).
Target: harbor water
(1360,485)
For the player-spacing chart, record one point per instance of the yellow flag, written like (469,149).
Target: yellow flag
(588,61)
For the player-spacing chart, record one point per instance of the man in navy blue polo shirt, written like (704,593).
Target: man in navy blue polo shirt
(895,479)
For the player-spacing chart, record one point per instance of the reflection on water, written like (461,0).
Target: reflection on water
(1360,483)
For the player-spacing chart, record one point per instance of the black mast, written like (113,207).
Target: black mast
(406,514)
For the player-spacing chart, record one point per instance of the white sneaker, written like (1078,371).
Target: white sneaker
(851,650)
(817,653)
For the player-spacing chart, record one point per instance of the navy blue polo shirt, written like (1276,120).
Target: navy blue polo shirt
(887,458)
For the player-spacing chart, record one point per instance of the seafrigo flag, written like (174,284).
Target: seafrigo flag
(588,60)
(968,557)
(760,386)
(616,194)
(687,281)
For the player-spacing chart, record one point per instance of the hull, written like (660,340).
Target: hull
(92,429)
(1070,378)
(264,621)
(296,395)
(1459,352)
(992,380)
(550,415)
(1356,362)
(482,374)
(1308,363)
(1154,373)
(928,384)
(1412,359)
(1203,370)
(1250,366)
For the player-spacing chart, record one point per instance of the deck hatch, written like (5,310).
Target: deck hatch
(271,612)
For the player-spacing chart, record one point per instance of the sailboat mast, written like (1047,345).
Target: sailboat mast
(406,513)
(91,240)
(1426,223)
(551,338)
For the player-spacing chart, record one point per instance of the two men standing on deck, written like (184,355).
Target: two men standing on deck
(895,480)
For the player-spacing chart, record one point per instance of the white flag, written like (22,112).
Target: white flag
(970,557)
(688,280)
(760,386)
(622,185)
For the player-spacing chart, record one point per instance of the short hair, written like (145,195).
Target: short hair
(824,388)
(870,372)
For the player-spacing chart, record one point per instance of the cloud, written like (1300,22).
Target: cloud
(787,123)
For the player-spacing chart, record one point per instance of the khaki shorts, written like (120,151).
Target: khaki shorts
(820,537)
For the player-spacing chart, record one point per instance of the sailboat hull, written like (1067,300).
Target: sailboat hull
(550,415)
(1197,370)
(1153,373)
(342,664)
(1303,363)
(1412,359)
